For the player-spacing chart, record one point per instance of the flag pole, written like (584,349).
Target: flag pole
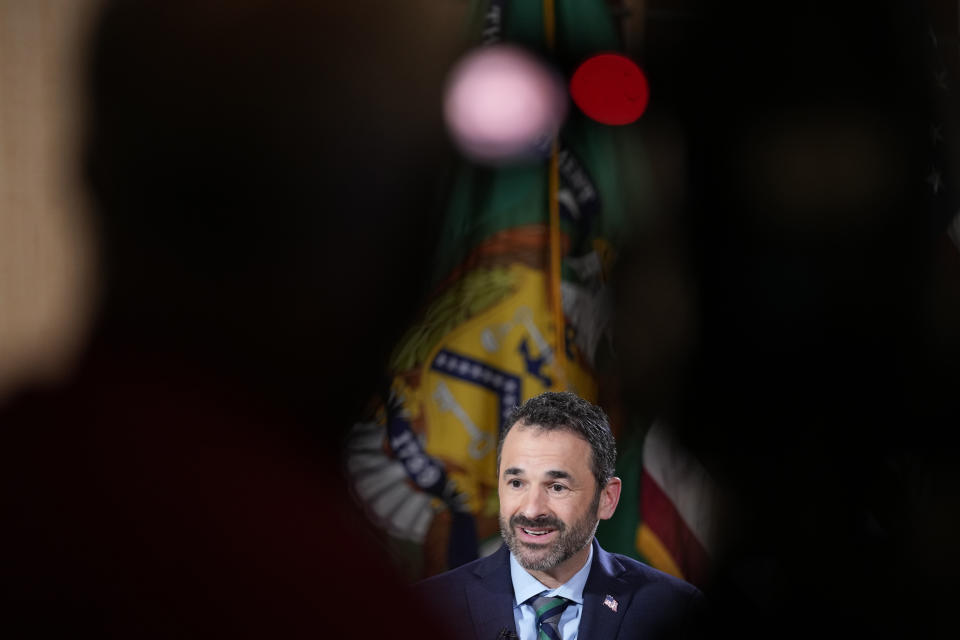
(553,186)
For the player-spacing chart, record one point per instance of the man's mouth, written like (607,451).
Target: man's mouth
(536,535)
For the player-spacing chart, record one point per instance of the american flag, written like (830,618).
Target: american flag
(610,602)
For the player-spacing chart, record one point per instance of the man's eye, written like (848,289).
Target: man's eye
(558,488)
(514,483)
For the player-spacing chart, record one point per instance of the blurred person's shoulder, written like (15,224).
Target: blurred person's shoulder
(142,495)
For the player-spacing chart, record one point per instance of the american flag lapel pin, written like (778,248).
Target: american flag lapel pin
(610,602)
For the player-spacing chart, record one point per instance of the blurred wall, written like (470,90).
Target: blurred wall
(45,258)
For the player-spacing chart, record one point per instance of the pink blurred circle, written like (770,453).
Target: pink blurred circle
(503,104)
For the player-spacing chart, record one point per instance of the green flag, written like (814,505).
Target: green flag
(424,466)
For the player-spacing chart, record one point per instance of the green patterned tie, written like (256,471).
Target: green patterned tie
(548,612)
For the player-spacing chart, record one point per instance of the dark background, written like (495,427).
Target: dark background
(796,315)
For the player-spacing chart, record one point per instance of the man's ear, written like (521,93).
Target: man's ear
(609,497)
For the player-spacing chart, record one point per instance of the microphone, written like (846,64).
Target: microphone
(506,634)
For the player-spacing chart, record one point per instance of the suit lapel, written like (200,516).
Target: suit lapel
(599,620)
(491,596)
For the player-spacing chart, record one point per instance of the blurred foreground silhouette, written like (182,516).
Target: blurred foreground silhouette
(797,320)
(263,176)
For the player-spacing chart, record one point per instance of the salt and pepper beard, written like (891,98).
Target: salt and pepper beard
(566,545)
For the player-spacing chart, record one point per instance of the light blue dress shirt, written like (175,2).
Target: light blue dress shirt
(525,586)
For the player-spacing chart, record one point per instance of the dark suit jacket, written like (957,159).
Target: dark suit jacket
(476,600)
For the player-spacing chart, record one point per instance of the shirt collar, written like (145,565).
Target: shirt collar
(525,586)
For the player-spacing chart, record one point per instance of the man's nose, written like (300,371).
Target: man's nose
(534,504)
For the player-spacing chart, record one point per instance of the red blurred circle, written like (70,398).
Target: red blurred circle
(610,88)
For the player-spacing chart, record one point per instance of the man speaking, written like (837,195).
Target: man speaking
(552,580)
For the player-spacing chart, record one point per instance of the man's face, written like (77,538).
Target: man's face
(549,504)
